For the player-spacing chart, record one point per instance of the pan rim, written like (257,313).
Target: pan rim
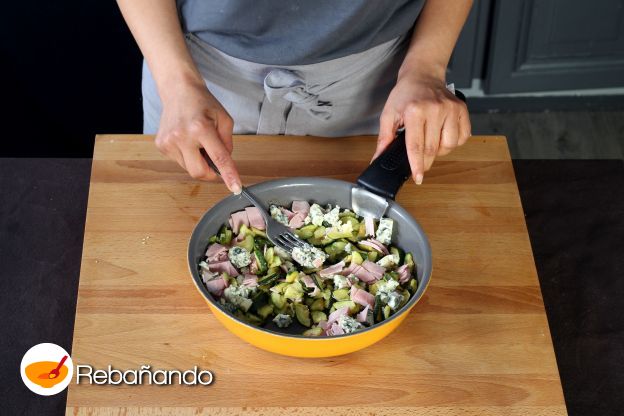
(297,182)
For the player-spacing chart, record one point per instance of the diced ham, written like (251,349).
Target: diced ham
(250,280)
(289,214)
(333,317)
(364,275)
(335,329)
(375,269)
(223,267)
(323,325)
(351,269)
(381,245)
(216,286)
(361,317)
(237,219)
(307,280)
(296,221)
(253,266)
(301,207)
(362,297)
(255,218)
(376,245)
(216,252)
(333,269)
(369,223)
(404,273)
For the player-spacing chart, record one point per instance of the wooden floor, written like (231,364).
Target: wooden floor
(557,135)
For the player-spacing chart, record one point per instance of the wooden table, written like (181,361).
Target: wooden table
(477,344)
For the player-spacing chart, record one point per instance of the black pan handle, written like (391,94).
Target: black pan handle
(386,174)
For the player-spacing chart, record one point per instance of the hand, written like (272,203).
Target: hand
(193,119)
(435,121)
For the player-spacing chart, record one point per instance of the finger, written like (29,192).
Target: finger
(225,125)
(387,131)
(464,125)
(433,133)
(196,165)
(450,134)
(415,144)
(222,159)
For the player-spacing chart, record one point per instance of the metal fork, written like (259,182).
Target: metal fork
(276,232)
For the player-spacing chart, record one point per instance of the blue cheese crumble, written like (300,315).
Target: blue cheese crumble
(348,324)
(389,261)
(387,293)
(384,231)
(316,215)
(238,296)
(340,282)
(309,256)
(239,257)
(282,320)
(333,216)
(278,215)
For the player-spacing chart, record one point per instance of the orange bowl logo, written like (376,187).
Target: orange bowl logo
(46,369)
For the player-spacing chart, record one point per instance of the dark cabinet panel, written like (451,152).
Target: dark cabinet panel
(541,45)
(467,60)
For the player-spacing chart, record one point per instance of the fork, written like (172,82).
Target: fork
(276,232)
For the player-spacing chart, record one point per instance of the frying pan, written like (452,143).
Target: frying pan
(383,178)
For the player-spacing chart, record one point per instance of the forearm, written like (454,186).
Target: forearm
(435,35)
(156,29)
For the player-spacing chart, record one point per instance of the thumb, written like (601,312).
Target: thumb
(387,130)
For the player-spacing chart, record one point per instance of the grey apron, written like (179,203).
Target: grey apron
(340,97)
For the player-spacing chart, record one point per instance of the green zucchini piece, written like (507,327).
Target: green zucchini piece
(319,233)
(318,304)
(260,261)
(386,312)
(212,239)
(268,279)
(372,256)
(270,253)
(318,316)
(356,257)
(258,233)
(313,332)
(258,299)
(341,294)
(398,254)
(244,230)
(278,300)
(252,319)
(303,314)
(377,309)
(247,243)
(225,235)
(294,291)
(305,232)
(335,248)
(412,285)
(409,260)
(260,242)
(276,262)
(265,310)
(353,307)
(292,276)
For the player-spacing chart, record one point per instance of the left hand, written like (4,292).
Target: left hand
(435,121)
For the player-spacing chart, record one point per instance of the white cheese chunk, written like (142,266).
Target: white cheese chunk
(384,231)
(239,257)
(282,320)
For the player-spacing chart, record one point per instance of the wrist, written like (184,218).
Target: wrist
(422,69)
(176,79)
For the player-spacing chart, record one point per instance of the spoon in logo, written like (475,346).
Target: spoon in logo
(54,373)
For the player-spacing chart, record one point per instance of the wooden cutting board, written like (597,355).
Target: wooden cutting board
(477,343)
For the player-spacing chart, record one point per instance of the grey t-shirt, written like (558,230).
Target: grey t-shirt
(297,32)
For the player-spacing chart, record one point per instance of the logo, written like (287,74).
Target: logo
(47,369)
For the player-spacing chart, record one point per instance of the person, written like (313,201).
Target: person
(214,68)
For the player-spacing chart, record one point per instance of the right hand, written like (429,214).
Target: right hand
(192,119)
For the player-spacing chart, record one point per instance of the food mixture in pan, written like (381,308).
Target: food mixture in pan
(349,277)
